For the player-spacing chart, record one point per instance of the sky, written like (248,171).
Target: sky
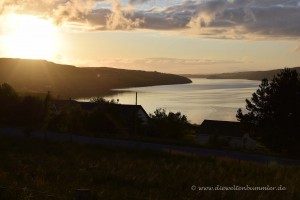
(179,36)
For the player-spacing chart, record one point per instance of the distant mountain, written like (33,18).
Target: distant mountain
(40,76)
(251,75)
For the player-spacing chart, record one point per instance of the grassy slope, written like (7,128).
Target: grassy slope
(60,168)
(39,76)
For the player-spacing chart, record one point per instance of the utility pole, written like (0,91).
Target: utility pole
(135,98)
(135,115)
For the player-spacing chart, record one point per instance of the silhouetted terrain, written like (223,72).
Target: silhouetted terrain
(40,76)
(251,75)
(32,169)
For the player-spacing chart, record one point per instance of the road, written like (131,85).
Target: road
(52,136)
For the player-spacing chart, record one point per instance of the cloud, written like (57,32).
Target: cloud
(297,48)
(138,1)
(72,10)
(206,13)
(69,11)
(30,6)
(176,65)
(235,19)
(118,19)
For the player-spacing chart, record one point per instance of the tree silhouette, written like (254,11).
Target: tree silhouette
(169,125)
(274,111)
(8,103)
(30,112)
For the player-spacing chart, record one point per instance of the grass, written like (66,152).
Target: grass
(191,141)
(116,173)
(186,140)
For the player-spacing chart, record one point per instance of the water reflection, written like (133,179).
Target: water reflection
(203,99)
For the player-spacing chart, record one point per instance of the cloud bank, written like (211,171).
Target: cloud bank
(234,19)
(176,65)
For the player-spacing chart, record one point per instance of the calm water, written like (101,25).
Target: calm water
(203,99)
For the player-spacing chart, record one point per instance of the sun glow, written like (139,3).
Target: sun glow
(29,37)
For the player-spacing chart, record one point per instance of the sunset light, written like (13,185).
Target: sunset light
(149,99)
(168,36)
(29,37)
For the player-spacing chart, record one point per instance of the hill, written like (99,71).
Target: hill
(40,76)
(250,75)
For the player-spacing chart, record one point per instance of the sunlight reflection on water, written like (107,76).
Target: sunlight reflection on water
(216,99)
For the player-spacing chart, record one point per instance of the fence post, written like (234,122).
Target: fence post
(82,194)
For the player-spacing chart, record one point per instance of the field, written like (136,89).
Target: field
(35,169)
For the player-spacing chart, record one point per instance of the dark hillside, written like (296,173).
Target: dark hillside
(40,76)
(251,75)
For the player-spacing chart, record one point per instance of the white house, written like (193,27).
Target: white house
(227,132)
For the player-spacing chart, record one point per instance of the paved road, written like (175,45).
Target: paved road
(52,136)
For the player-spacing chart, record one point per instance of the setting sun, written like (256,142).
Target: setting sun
(30,37)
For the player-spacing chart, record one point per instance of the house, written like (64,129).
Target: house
(225,132)
(120,118)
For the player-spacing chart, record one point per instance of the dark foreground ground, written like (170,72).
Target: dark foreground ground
(38,169)
(155,146)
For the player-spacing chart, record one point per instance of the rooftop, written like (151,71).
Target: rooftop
(224,128)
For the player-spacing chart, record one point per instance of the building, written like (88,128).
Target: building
(225,132)
(118,118)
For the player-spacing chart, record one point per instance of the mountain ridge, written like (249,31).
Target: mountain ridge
(249,75)
(68,81)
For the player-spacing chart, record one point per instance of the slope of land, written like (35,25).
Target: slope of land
(32,169)
(40,76)
(250,75)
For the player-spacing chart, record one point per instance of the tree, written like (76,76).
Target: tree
(274,111)
(30,112)
(101,100)
(8,103)
(69,119)
(171,125)
(47,110)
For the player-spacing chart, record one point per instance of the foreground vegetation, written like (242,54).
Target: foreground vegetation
(273,112)
(97,118)
(54,170)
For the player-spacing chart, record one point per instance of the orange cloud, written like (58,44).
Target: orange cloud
(234,19)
